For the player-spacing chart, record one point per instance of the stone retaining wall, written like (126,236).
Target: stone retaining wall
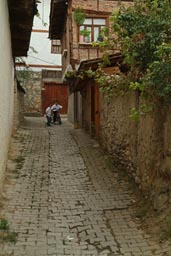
(142,148)
(32,97)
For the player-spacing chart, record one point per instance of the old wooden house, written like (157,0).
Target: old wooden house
(142,147)
(78,52)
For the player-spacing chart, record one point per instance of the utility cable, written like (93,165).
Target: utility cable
(42,60)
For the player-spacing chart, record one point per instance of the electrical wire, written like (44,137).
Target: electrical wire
(41,59)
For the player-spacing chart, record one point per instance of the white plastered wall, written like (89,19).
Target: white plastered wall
(6,88)
(41,43)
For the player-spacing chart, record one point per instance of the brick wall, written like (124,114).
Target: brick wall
(99,5)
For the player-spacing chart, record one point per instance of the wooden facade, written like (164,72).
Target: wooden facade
(82,55)
(90,93)
(90,108)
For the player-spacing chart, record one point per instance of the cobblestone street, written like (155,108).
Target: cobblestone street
(61,198)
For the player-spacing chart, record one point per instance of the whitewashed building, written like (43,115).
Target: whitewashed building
(14,42)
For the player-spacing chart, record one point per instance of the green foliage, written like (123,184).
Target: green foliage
(157,76)
(136,86)
(136,113)
(12,237)
(106,59)
(70,74)
(79,16)
(143,34)
(85,32)
(5,233)
(103,39)
(144,109)
(104,44)
(7,236)
(90,73)
(4,224)
(103,35)
(111,84)
(81,75)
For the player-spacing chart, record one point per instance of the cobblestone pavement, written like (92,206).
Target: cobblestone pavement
(61,198)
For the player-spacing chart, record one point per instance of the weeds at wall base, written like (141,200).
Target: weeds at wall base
(166,229)
(155,223)
(5,234)
(8,237)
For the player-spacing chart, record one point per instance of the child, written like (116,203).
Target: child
(56,116)
(48,115)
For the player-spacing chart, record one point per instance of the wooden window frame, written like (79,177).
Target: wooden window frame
(92,26)
(55,46)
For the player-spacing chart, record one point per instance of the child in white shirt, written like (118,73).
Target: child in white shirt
(56,115)
(48,113)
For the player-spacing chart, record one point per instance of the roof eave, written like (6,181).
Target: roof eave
(58,13)
(77,84)
(21,14)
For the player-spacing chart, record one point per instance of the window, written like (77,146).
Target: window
(90,30)
(55,46)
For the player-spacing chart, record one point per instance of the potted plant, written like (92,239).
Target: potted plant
(103,34)
(100,38)
(86,33)
(79,16)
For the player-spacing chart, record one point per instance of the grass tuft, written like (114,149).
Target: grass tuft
(5,234)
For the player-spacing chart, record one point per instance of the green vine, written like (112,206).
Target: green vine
(70,74)
(90,73)
(79,16)
(136,113)
(83,74)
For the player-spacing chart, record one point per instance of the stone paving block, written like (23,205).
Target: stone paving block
(64,200)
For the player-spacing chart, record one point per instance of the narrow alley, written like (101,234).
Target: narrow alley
(61,198)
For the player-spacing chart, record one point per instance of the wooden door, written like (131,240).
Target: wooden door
(52,93)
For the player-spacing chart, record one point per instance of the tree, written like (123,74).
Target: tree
(143,34)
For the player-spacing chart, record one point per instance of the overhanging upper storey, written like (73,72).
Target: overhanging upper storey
(57,18)
(21,14)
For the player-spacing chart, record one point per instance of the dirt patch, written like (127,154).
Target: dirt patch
(154,222)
